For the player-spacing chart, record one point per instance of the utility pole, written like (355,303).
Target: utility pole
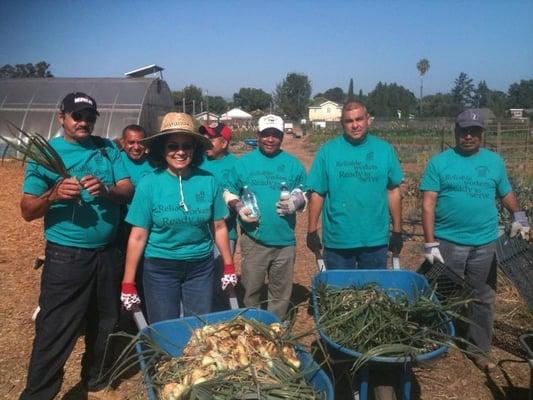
(193,107)
(183,104)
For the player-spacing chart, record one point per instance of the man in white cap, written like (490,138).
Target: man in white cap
(80,283)
(268,241)
(460,221)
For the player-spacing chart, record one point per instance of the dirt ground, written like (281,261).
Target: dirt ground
(450,377)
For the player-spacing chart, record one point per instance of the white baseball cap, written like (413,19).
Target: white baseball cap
(270,121)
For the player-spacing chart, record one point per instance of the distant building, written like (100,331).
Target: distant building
(517,113)
(205,116)
(324,111)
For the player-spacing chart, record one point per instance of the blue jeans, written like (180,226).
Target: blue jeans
(476,264)
(357,258)
(167,283)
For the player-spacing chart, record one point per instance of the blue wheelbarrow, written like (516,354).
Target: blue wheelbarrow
(173,335)
(251,142)
(410,282)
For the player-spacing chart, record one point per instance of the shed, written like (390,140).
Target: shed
(32,103)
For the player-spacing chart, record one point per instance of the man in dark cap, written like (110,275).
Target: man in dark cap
(80,283)
(460,221)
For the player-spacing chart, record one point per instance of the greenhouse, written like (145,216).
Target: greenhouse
(32,103)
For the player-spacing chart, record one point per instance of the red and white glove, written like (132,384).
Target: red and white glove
(129,296)
(229,276)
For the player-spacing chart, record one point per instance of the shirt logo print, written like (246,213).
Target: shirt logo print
(482,171)
(281,168)
(200,196)
(370,156)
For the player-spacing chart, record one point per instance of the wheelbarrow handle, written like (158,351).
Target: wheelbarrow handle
(233,302)
(138,317)
(320,264)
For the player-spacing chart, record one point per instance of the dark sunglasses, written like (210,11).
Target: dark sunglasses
(81,116)
(471,130)
(188,146)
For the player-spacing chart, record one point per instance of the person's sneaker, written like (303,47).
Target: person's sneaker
(104,394)
(484,363)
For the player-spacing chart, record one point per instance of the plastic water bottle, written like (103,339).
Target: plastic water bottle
(284,193)
(250,202)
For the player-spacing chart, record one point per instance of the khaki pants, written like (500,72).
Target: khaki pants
(276,263)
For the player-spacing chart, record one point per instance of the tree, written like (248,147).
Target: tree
(193,99)
(482,95)
(521,94)
(335,94)
(292,95)
(39,70)
(217,104)
(386,99)
(250,99)
(422,66)
(350,96)
(463,92)
(440,105)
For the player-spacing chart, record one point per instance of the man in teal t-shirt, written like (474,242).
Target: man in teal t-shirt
(355,182)
(80,283)
(219,162)
(460,221)
(134,154)
(268,241)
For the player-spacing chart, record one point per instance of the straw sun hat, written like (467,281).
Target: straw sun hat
(174,122)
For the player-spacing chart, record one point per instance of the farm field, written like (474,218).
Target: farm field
(451,377)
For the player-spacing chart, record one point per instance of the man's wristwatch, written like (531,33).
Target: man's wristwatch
(107,189)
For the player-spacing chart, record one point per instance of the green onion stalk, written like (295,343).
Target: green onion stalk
(386,322)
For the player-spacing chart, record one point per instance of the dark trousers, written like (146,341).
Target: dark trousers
(357,258)
(79,287)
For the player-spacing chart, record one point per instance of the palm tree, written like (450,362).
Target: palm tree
(422,66)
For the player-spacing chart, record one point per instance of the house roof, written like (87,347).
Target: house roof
(321,102)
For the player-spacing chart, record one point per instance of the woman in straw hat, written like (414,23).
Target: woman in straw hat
(173,214)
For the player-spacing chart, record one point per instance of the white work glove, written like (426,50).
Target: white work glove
(520,225)
(296,202)
(432,252)
(244,213)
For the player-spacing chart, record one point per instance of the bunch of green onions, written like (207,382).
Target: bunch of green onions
(378,322)
(34,147)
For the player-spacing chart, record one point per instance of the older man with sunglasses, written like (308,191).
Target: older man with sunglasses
(460,221)
(80,283)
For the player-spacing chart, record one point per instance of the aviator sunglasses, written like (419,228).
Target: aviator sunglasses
(187,146)
(81,116)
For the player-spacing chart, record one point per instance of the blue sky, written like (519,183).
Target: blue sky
(222,46)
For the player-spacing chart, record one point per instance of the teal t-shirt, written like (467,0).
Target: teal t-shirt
(136,169)
(263,175)
(174,233)
(221,169)
(353,179)
(88,223)
(467,187)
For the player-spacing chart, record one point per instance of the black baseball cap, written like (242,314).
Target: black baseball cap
(78,101)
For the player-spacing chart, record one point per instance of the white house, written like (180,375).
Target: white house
(325,111)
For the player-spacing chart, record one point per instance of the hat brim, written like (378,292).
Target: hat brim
(202,140)
(85,109)
(270,130)
(470,124)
